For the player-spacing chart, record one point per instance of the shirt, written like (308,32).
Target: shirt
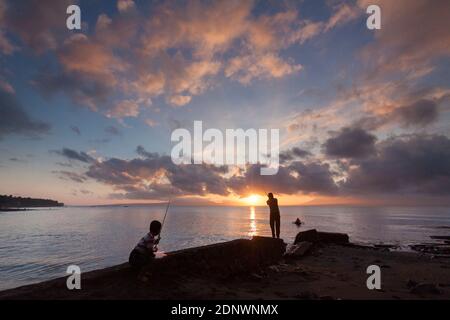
(273,205)
(146,244)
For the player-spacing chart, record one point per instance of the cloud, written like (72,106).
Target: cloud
(40,24)
(179,100)
(68,175)
(150,122)
(85,55)
(76,130)
(91,91)
(350,143)
(412,36)
(294,153)
(421,113)
(247,68)
(154,173)
(342,14)
(75,155)
(14,120)
(154,176)
(113,131)
(401,165)
(177,49)
(6,47)
(125,5)
(6,86)
(124,108)
(309,177)
(140,150)
(410,165)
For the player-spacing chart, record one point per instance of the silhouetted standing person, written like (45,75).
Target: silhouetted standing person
(274,215)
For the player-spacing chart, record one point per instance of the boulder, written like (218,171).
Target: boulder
(308,236)
(298,250)
(315,236)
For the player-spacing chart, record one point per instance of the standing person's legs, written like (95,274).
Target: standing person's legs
(272,226)
(278,225)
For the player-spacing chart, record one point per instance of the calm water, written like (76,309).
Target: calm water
(39,245)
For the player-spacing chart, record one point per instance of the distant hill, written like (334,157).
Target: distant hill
(19,202)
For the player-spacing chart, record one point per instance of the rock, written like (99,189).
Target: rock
(274,268)
(426,288)
(438,249)
(411,284)
(331,237)
(323,237)
(298,250)
(385,247)
(256,276)
(440,237)
(309,236)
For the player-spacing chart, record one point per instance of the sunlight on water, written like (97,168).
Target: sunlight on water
(253,229)
(38,245)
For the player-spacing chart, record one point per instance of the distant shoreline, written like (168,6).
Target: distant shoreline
(13,203)
(13,209)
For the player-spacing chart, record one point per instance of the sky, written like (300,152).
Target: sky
(86,115)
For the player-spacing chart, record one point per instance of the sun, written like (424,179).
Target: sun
(252,199)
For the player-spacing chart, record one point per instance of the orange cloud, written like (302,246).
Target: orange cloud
(413,34)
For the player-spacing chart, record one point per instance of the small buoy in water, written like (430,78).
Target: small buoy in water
(297,222)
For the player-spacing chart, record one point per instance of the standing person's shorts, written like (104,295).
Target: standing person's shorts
(138,259)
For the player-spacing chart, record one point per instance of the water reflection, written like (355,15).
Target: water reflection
(253,229)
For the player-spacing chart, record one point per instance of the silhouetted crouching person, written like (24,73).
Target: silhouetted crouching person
(274,215)
(145,250)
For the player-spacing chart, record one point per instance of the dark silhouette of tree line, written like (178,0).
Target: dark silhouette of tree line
(7,202)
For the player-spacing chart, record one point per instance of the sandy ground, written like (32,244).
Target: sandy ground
(333,272)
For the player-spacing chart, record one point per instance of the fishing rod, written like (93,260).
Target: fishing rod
(164,219)
(162,224)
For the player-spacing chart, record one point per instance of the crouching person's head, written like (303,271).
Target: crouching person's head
(155,227)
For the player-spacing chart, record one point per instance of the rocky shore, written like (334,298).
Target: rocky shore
(317,266)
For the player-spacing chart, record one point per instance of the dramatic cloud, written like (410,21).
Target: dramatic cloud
(293,154)
(297,177)
(409,165)
(40,24)
(149,176)
(156,177)
(421,113)
(177,50)
(402,165)
(14,120)
(350,143)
